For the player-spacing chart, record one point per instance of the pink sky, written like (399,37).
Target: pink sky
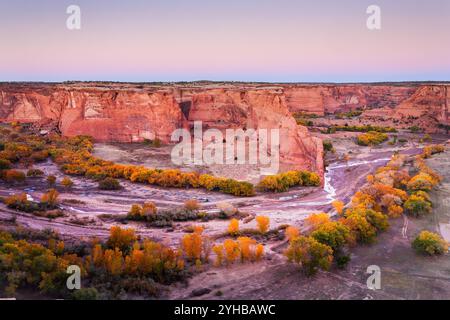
(233,40)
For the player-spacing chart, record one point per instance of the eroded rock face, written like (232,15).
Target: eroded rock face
(424,105)
(426,108)
(122,116)
(107,115)
(130,112)
(427,102)
(329,99)
(259,109)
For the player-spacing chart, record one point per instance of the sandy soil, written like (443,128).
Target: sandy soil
(441,196)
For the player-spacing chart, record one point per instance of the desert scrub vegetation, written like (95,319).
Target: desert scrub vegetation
(155,143)
(109,184)
(429,243)
(12,176)
(304,122)
(74,157)
(150,214)
(328,146)
(190,211)
(146,212)
(310,254)
(388,193)
(67,183)
(233,227)
(365,128)
(192,205)
(35,173)
(244,249)
(371,138)
(283,181)
(51,180)
(47,207)
(197,249)
(263,224)
(227,210)
(349,114)
(415,129)
(122,265)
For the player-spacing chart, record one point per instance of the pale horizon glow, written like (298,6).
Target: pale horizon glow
(234,40)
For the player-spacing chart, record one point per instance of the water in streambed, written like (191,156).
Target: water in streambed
(334,174)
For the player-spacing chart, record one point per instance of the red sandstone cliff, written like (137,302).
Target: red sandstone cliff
(134,112)
(427,108)
(259,109)
(323,99)
(107,115)
(425,105)
(127,113)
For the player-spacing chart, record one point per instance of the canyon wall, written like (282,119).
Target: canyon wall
(259,109)
(130,113)
(134,112)
(107,115)
(425,105)
(325,99)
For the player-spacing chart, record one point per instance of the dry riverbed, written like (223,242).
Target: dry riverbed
(404,274)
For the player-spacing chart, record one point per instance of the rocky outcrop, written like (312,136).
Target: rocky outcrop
(107,115)
(408,104)
(130,113)
(122,116)
(259,109)
(427,101)
(134,112)
(329,99)
(426,108)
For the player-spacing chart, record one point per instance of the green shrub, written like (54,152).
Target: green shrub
(366,128)
(342,261)
(327,146)
(20,202)
(417,205)
(156,143)
(304,122)
(51,180)
(85,294)
(349,114)
(12,176)
(5,164)
(415,129)
(109,184)
(283,181)
(310,254)
(371,138)
(333,234)
(35,173)
(429,243)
